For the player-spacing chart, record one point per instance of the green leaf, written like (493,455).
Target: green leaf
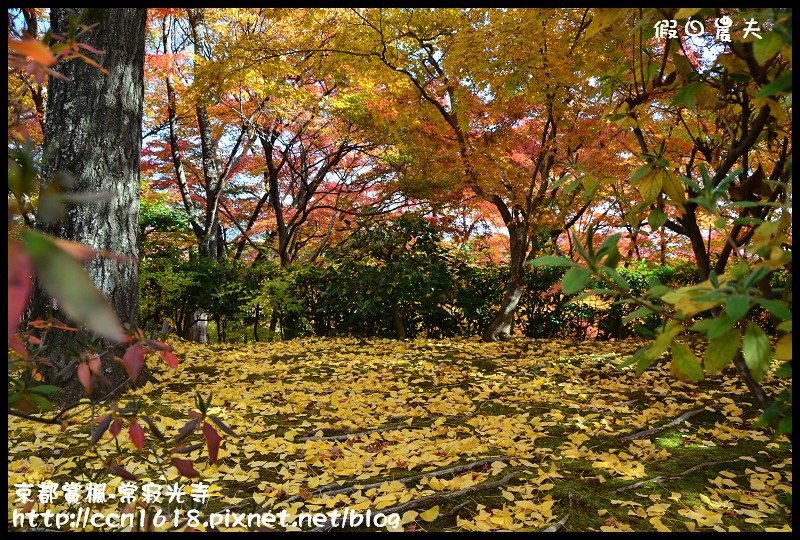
(703,325)
(40,402)
(686,96)
(721,325)
(785,326)
(633,359)
(608,244)
(618,279)
(640,172)
(757,351)
(767,47)
(685,13)
(781,84)
(44,389)
(785,426)
(650,185)
(661,344)
(776,307)
(685,365)
(657,219)
(720,352)
(738,305)
(575,280)
(784,371)
(65,279)
(657,291)
(639,313)
(551,260)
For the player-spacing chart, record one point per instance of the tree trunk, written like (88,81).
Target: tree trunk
(398,322)
(255,322)
(198,327)
(93,134)
(502,326)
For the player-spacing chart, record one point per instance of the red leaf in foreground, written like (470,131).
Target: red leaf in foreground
(19,283)
(137,435)
(95,364)
(85,375)
(116,427)
(134,360)
(212,440)
(122,473)
(170,358)
(185,467)
(17,345)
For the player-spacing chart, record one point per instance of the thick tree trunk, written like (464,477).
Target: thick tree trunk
(93,134)
(502,326)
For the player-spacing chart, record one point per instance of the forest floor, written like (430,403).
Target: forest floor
(451,435)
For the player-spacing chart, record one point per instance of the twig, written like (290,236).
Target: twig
(429,499)
(557,525)
(666,477)
(453,511)
(678,420)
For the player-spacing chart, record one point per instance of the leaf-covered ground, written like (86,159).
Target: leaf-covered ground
(531,432)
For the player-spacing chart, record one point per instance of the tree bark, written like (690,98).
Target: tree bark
(93,126)
(502,326)
(398,322)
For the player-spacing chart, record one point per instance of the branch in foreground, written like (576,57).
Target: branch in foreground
(678,420)
(429,499)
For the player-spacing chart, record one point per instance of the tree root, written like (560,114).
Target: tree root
(452,470)
(667,477)
(429,499)
(677,421)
